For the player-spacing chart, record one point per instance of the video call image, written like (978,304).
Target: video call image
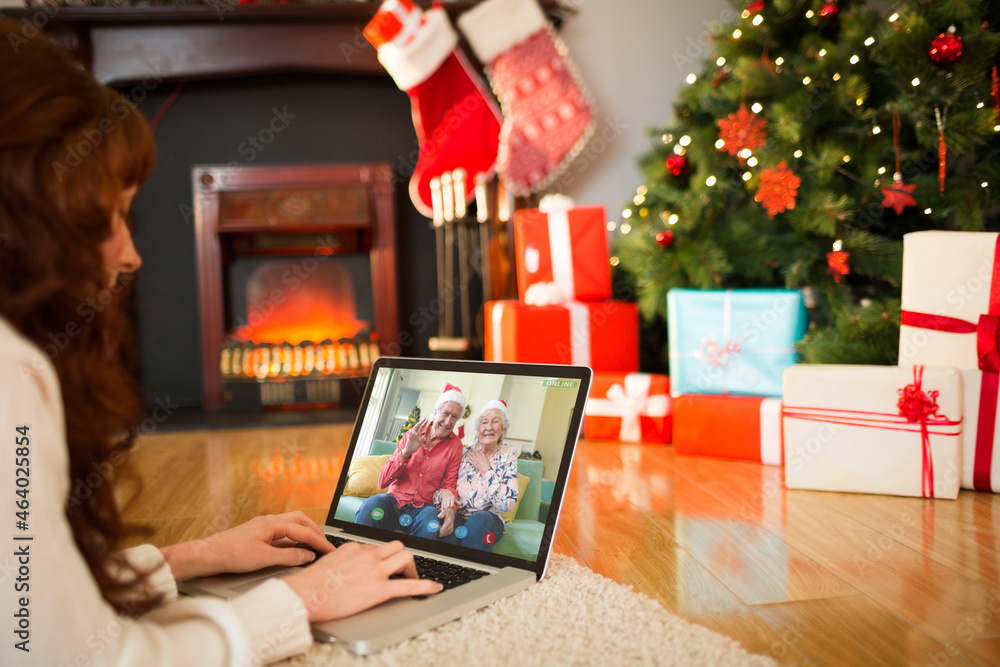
(485,481)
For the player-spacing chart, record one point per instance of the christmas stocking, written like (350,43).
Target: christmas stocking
(455,117)
(548,116)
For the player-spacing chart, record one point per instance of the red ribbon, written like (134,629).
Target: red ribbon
(987,331)
(916,407)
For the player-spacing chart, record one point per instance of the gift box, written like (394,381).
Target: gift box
(732,341)
(747,428)
(629,407)
(604,336)
(893,430)
(951,316)
(568,247)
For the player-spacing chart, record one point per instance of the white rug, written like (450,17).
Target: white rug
(572,617)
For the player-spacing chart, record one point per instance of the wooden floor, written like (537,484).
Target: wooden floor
(806,577)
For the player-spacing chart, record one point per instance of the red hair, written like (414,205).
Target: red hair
(68,147)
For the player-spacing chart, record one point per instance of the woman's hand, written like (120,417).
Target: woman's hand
(479,461)
(355,577)
(258,543)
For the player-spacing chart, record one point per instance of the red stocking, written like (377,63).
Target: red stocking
(548,116)
(456,119)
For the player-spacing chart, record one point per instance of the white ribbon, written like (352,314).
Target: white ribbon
(497,327)
(579,332)
(561,250)
(630,402)
(770,431)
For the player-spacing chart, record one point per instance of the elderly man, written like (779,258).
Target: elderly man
(426,459)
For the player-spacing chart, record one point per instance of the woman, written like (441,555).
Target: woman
(487,484)
(72,154)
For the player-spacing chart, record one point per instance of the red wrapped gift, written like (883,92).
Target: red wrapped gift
(729,427)
(568,247)
(628,407)
(604,336)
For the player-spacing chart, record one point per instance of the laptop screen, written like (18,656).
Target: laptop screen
(501,459)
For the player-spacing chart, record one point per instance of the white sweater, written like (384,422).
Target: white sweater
(50,604)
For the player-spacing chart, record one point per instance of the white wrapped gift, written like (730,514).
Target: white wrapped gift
(893,430)
(951,317)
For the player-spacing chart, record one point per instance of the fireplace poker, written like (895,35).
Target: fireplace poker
(458,179)
(482,217)
(438,221)
(448,199)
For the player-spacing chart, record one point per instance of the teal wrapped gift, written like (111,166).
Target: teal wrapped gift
(732,341)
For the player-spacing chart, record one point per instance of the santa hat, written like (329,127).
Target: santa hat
(495,404)
(451,394)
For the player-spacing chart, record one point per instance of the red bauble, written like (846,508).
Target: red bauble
(676,164)
(755,6)
(829,10)
(664,238)
(946,48)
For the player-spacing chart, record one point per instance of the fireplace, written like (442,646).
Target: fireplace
(290,259)
(211,74)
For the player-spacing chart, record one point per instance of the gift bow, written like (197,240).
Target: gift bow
(987,331)
(630,403)
(546,294)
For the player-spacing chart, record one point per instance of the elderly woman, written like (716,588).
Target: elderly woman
(487,484)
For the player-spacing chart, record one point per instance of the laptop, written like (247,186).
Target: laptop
(545,407)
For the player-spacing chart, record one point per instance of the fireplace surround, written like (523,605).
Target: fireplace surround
(300,321)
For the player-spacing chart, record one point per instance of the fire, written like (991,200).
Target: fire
(288,304)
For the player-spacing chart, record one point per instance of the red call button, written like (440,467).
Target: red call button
(489,538)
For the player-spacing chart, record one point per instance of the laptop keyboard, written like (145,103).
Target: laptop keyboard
(447,574)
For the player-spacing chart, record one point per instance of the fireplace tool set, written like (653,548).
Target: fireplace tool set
(468,255)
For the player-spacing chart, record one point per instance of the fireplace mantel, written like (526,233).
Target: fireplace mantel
(134,45)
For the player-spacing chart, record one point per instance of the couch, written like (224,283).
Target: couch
(524,531)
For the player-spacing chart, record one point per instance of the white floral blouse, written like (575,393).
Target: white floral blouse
(496,490)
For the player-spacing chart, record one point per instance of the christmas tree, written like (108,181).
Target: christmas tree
(411,420)
(813,138)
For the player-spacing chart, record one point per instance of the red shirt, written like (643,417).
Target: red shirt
(413,482)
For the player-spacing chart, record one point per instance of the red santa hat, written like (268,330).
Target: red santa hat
(495,404)
(451,394)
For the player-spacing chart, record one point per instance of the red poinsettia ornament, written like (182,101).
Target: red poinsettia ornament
(742,129)
(778,189)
